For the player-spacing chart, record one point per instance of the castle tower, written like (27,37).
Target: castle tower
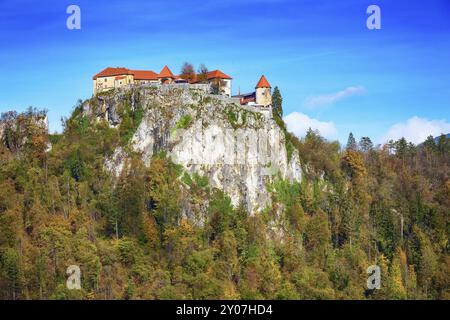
(166,76)
(263,94)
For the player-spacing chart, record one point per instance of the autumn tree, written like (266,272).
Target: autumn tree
(163,190)
(202,73)
(187,71)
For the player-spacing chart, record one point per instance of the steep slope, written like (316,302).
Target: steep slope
(239,149)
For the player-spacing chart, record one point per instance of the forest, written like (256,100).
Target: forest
(357,205)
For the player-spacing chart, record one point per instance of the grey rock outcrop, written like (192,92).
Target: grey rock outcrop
(239,149)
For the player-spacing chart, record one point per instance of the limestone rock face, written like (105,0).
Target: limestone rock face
(239,149)
(21,128)
(2,130)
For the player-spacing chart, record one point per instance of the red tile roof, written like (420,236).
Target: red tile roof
(150,75)
(110,72)
(216,74)
(263,83)
(144,75)
(137,74)
(166,73)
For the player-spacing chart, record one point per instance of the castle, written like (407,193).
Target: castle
(262,95)
(220,83)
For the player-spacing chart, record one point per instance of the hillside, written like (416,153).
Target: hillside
(176,194)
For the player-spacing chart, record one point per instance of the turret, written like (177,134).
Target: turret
(166,76)
(263,94)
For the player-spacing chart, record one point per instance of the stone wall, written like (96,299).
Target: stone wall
(263,96)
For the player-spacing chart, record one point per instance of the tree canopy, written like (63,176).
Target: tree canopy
(158,232)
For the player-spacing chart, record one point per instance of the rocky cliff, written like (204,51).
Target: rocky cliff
(17,128)
(239,149)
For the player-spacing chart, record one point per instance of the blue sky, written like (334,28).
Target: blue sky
(333,72)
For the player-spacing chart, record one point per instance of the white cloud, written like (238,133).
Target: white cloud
(329,99)
(298,123)
(416,130)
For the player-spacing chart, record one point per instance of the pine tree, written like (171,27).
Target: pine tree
(277,103)
(428,262)
(351,142)
(365,144)
(395,287)
(443,144)
(430,144)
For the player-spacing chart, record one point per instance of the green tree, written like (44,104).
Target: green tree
(277,103)
(351,142)
(430,143)
(443,144)
(395,287)
(163,189)
(365,144)
(11,271)
(317,237)
(427,260)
